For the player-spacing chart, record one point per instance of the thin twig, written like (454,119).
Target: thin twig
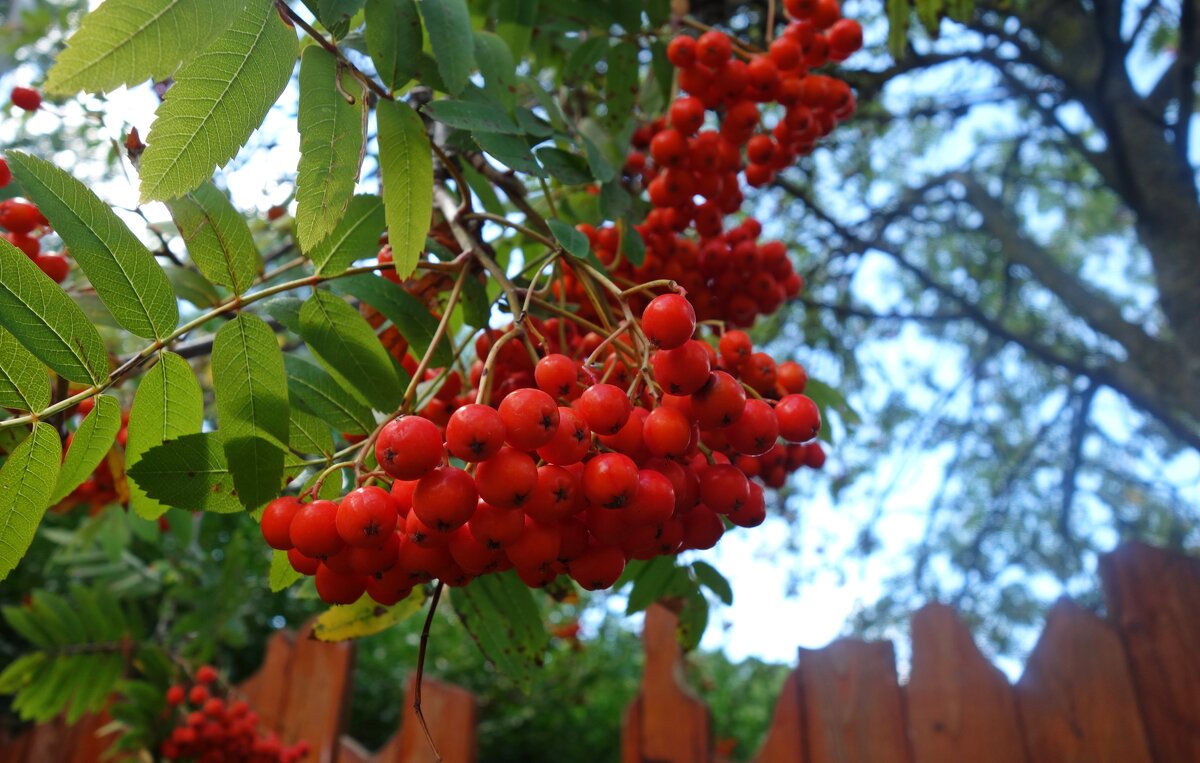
(433,602)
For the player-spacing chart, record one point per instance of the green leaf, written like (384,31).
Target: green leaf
(633,247)
(614,201)
(335,15)
(124,42)
(621,83)
(452,39)
(24,384)
(168,404)
(218,99)
(250,387)
(89,446)
(827,398)
(500,614)
(510,150)
(483,189)
(346,347)
(477,309)
(189,472)
(20,671)
(46,321)
(406,169)
(365,617)
(572,240)
(567,168)
(332,141)
(317,392)
(693,619)
(898,12)
(217,237)
(193,287)
(394,39)
(285,310)
(583,60)
(499,70)
(473,115)
(26,480)
(282,574)
(651,583)
(309,434)
(514,24)
(407,313)
(928,12)
(602,169)
(713,580)
(355,237)
(126,277)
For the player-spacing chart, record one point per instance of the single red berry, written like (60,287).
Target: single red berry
(55,266)
(339,587)
(530,418)
(206,674)
(719,402)
(475,432)
(759,372)
(753,512)
(390,588)
(26,98)
(445,498)
(681,52)
(409,447)
(555,496)
(572,439)
(305,565)
(669,148)
(19,217)
(655,500)
(683,370)
(556,375)
(537,545)
(799,418)
(214,707)
(374,560)
(314,530)
(667,432)
(5,173)
(367,516)
(791,376)
(610,480)
(845,37)
(474,557)
(495,527)
(686,115)
(198,695)
(277,521)
(598,567)
(702,528)
(669,321)
(175,695)
(724,488)
(735,347)
(713,48)
(606,408)
(755,431)
(507,479)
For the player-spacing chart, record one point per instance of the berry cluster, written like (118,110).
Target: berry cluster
(25,225)
(565,474)
(209,729)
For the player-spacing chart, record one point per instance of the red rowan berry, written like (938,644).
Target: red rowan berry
(339,587)
(681,51)
(556,375)
(610,480)
(669,321)
(277,521)
(314,530)
(305,565)
(605,407)
(26,98)
(713,48)
(366,516)
(409,447)
(445,498)
(598,567)
(507,479)
(530,418)
(475,433)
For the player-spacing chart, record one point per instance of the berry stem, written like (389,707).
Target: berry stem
(662,283)
(433,602)
(485,379)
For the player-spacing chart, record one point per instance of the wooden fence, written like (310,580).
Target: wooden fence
(302,690)
(1125,690)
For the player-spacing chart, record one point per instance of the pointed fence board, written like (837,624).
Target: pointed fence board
(960,707)
(451,714)
(784,741)
(852,703)
(317,705)
(666,723)
(1154,602)
(1076,697)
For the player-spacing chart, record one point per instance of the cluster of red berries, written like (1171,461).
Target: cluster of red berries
(565,475)
(25,225)
(26,98)
(210,729)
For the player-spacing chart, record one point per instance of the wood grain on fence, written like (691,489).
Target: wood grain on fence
(1126,690)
